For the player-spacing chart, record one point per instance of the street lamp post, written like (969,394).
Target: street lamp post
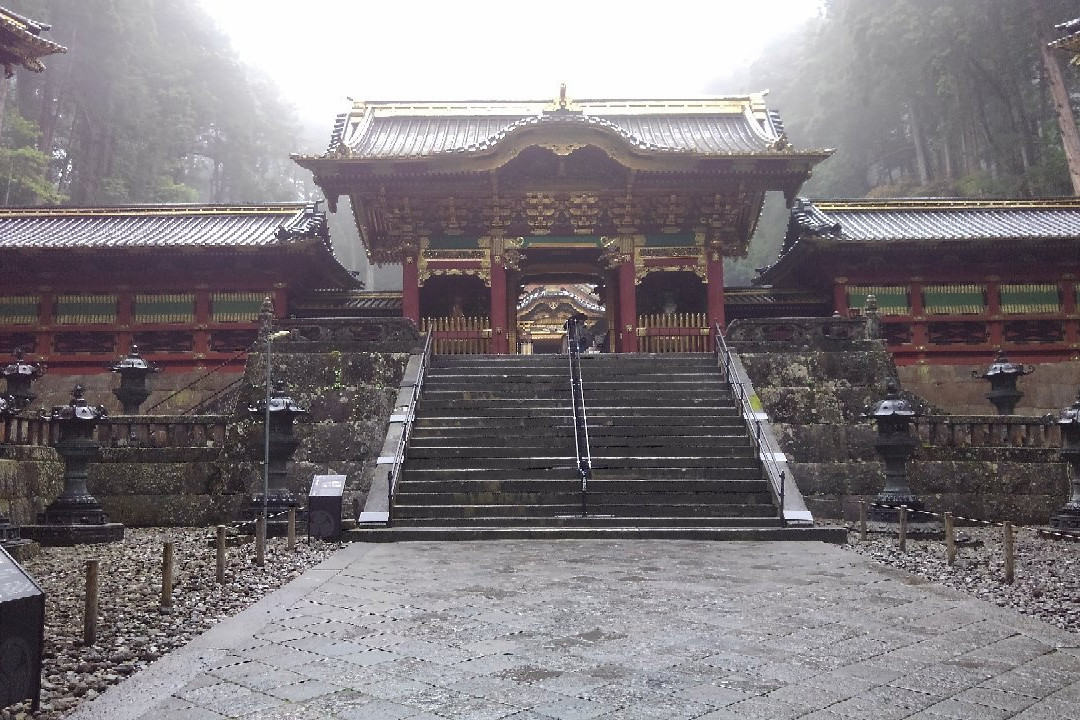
(266,433)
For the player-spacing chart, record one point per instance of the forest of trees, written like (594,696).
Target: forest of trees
(922,97)
(149,104)
(942,98)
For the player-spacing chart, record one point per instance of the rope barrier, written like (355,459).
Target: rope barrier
(1042,532)
(198,380)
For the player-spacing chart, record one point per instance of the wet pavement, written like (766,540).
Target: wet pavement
(583,630)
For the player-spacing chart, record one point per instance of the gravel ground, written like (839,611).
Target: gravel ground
(132,630)
(1046,571)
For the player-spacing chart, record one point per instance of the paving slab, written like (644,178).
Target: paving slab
(609,630)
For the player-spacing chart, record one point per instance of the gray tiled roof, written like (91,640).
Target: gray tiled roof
(722,126)
(203,226)
(934,219)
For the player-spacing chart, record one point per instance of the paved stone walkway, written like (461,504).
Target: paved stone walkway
(582,630)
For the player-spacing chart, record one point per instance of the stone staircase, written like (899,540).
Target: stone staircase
(492,453)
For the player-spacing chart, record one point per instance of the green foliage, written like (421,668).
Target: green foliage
(922,97)
(150,104)
(22,166)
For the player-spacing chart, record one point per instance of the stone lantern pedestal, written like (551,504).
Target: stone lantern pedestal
(1068,517)
(1002,376)
(895,444)
(133,371)
(277,443)
(76,517)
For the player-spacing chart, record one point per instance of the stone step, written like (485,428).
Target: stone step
(568,469)
(716,461)
(763,499)
(597,519)
(572,484)
(586,529)
(448,513)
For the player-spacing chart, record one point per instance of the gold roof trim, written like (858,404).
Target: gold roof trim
(728,105)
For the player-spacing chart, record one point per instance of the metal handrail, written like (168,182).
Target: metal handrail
(766,451)
(410,415)
(581,420)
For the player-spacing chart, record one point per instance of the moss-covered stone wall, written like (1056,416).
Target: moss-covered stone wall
(815,381)
(30,477)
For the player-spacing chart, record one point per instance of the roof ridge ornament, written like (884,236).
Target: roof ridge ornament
(563,105)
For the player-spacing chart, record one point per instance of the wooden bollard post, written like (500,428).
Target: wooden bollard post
(292,529)
(166,575)
(903,529)
(1009,555)
(90,613)
(221,554)
(862,521)
(260,541)
(950,540)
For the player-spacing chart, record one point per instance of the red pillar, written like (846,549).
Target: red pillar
(1068,289)
(995,325)
(627,308)
(203,318)
(410,290)
(840,297)
(499,343)
(714,288)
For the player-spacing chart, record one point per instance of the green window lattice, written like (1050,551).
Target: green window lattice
(19,310)
(164,308)
(1016,299)
(954,299)
(891,299)
(236,306)
(85,309)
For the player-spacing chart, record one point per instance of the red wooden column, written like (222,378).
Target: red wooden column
(410,290)
(125,320)
(919,336)
(994,323)
(714,289)
(840,296)
(46,320)
(203,318)
(1068,288)
(499,342)
(627,308)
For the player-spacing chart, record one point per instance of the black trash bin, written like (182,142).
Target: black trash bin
(22,634)
(324,506)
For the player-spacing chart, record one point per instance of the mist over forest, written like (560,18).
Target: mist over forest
(151,104)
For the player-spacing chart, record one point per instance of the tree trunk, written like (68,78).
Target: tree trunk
(1070,138)
(921,162)
(4,83)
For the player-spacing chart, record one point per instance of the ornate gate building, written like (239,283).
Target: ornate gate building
(484,202)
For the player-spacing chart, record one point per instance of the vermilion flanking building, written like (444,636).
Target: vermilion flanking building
(955,280)
(183,282)
(641,199)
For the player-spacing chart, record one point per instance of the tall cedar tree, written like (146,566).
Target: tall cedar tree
(150,104)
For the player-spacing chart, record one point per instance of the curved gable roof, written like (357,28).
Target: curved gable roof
(405,131)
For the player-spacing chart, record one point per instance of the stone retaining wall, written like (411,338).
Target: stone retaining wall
(347,375)
(815,378)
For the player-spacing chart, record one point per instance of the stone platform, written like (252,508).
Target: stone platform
(63,535)
(610,630)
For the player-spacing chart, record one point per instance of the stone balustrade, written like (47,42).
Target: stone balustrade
(162,431)
(989,431)
(20,430)
(156,431)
